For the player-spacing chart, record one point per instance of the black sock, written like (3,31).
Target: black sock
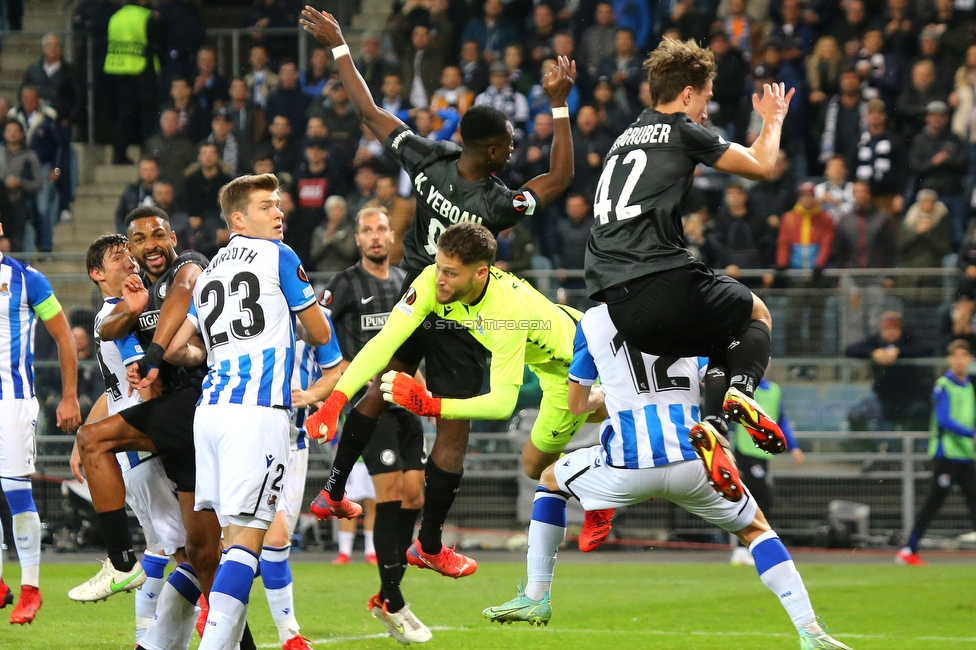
(716,385)
(387,554)
(407,522)
(356,433)
(118,539)
(247,641)
(440,488)
(747,357)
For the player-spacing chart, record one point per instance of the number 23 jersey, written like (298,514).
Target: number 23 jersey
(244,306)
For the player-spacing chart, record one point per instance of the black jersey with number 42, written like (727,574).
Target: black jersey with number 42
(648,173)
(444,198)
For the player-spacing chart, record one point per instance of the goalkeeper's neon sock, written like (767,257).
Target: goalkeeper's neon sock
(547,530)
(779,574)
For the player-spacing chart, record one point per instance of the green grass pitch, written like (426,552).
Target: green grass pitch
(684,606)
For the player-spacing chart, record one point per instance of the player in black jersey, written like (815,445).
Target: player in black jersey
(359,301)
(662,300)
(452,184)
(162,425)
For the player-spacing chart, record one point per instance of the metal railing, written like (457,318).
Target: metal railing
(229,63)
(886,471)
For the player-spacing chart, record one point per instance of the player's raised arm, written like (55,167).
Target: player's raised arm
(557,84)
(757,162)
(325,29)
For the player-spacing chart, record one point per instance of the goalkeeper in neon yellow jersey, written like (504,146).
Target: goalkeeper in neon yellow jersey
(516,323)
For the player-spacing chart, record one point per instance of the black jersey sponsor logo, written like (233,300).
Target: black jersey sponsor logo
(373,322)
(520,203)
(410,296)
(326,298)
(148,320)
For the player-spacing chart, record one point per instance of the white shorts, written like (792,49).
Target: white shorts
(293,487)
(585,474)
(152,496)
(359,485)
(18,418)
(241,454)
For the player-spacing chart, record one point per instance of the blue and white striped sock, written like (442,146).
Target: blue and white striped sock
(228,599)
(176,612)
(547,530)
(27,527)
(779,574)
(147,596)
(276,576)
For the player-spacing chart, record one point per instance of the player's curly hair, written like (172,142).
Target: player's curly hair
(96,251)
(674,66)
(235,195)
(146,212)
(482,123)
(468,241)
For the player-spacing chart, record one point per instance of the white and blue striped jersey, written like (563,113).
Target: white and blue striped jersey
(652,401)
(113,357)
(25,295)
(244,305)
(309,364)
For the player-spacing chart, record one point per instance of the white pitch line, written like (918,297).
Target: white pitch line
(551,630)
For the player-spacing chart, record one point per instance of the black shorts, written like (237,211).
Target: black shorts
(684,312)
(167,420)
(455,363)
(397,444)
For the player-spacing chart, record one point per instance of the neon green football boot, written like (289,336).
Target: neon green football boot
(820,641)
(522,608)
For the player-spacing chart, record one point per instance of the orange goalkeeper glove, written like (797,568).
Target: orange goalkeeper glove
(400,388)
(322,424)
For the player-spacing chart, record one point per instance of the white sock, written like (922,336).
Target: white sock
(176,612)
(148,594)
(228,599)
(27,532)
(345,542)
(546,532)
(276,576)
(368,543)
(778,572)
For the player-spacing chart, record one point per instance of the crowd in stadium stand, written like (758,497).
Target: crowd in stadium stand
(877,166)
